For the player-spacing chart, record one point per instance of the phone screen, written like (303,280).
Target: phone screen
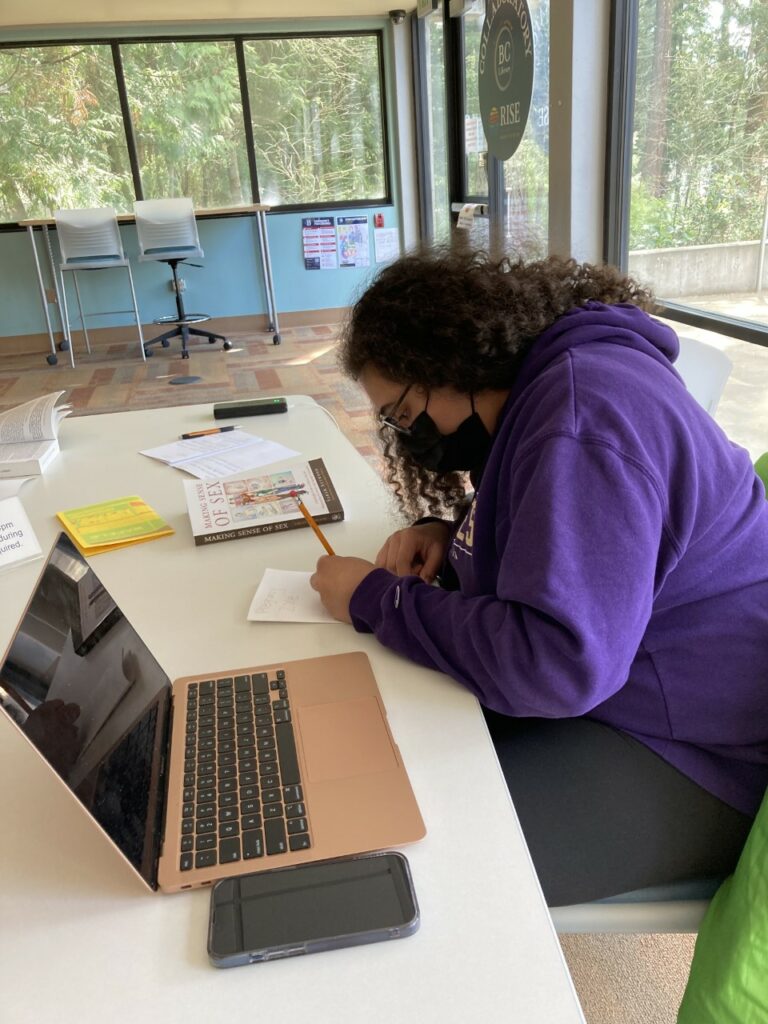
(311,907)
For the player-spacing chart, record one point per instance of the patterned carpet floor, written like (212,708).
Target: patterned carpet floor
(113,378)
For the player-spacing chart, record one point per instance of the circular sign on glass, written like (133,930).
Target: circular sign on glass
(505,74)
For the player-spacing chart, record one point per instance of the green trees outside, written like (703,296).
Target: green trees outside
(63,143)
(188,121)
(700,162)
(317,121)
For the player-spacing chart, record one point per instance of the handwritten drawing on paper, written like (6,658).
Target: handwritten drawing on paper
(286,596)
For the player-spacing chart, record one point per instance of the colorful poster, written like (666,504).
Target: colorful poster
(318,237)
(353,242)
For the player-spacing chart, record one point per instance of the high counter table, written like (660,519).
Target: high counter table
(81,941)
(259,210)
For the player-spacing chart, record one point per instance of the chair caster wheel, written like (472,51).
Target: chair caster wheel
(64,346)
(276,339)
(227,346)
(51,359)
(185,354)
(165,343)
(148,351)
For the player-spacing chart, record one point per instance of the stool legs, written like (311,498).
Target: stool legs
(181,324)
(136,313)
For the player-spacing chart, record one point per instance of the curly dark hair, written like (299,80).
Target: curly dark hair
(459,318)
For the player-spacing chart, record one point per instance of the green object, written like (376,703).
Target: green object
(761,468)
(728,983)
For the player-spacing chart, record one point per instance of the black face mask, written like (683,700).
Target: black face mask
(466,448)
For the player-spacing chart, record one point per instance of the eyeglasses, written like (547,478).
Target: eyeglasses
(390,419)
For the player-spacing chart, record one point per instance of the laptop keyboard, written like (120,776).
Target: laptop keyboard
(243,797)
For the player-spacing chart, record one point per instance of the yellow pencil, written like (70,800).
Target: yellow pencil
(310,519)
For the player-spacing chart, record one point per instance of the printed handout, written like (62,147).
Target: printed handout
(219,455)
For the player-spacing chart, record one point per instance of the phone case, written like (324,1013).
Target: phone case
(235,910)
(252,407)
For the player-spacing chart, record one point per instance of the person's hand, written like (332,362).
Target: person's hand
(336,579)
(416,550)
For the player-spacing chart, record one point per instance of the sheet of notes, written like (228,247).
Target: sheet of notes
(286,596)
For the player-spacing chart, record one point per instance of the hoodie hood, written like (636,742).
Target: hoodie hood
(623,324)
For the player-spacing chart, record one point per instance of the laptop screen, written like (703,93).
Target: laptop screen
(85,690)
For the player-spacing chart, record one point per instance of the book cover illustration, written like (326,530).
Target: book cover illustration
(261,502)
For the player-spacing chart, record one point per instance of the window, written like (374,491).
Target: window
(698,194)
(187,117)
(475,155)
(317,112)
(430,41)
(437,142)
(62,130)
(526,174)
(316,108)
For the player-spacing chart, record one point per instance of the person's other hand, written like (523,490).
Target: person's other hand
(416,550)
(336,579)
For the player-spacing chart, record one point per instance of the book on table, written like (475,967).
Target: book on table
(113,524)
(29,435)
(261,502)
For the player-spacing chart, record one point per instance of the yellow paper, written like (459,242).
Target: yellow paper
(113,524)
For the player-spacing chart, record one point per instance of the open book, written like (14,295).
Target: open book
(28,435)
(261,502)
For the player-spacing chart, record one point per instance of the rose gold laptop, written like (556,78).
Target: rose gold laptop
(215,775)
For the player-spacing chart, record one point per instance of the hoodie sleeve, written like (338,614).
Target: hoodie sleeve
(578,536)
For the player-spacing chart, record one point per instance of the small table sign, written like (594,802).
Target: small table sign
(18,542)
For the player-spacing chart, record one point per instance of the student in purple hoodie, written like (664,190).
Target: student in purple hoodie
(604,590)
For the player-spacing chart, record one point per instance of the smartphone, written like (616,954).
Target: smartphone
(310,908)
(248,407)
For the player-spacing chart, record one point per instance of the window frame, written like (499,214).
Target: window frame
(114,43)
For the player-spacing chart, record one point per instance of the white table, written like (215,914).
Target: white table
(80,939)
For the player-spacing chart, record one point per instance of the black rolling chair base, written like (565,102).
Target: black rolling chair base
(184,332)
(180,323)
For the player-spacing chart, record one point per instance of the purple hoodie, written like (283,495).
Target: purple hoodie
(613,563)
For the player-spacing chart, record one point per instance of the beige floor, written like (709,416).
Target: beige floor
(743,408)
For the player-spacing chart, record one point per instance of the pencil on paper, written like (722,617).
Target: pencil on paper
(312,523)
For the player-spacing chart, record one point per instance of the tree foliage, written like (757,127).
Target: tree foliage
(700,169)
(315,102)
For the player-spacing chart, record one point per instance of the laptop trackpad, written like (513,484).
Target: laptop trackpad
(346,739)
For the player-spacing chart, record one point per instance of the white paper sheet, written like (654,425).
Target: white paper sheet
(386,244)
(284,596)
(18,542)
(12,486)
(217,455)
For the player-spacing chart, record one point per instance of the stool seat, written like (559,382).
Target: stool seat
(188,318)
(167,233)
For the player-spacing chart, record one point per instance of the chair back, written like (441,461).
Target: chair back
(166,229)
(705,370)
(88,235)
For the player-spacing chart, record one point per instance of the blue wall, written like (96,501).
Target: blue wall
(230,282)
